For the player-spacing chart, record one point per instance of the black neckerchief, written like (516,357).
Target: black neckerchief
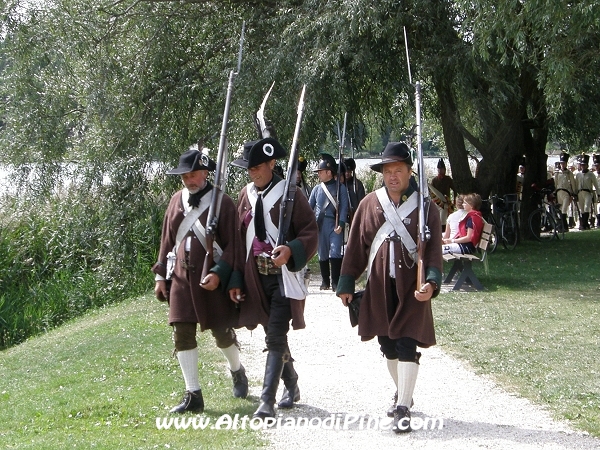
(259,215)
(194,199)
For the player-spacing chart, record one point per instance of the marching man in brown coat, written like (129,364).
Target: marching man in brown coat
(193,301)
(273,293)
(383,241)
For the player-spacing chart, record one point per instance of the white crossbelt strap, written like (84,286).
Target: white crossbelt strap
(394,223)
(293,286)
(268,201)
(192,220)
(329,196)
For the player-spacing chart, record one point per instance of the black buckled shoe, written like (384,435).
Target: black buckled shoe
(401,420)
(191,401)
(240,383)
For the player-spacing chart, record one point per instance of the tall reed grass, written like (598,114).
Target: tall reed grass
(64,252)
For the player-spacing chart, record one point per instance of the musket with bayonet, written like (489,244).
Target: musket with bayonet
(221,171)
(342,140)
(424,199)
(289,192)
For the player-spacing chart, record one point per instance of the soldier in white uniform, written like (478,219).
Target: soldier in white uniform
(565,188)
(586,183)
(596,159)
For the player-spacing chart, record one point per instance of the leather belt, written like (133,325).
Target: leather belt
(266,266)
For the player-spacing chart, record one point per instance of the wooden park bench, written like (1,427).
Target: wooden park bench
(463,264)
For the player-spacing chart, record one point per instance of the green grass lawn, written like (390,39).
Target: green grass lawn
(536,326)
(102,380)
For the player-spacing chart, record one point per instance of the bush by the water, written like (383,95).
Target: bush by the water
(65,251)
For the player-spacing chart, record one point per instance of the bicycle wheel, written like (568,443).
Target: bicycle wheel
(542,225)
(560,229)
(509,231)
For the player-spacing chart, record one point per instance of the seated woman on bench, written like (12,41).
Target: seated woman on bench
(454,219)
(469,229)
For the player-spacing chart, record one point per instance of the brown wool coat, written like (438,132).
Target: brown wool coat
(189,302)
(378,316)
(254,310)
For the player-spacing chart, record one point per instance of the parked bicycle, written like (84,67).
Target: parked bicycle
(545,222)
(506,228)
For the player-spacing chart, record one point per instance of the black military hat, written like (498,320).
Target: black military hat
(564,157)
(596,159)
(343,167)
(258,152)
(441,164)
(393,152)
(302,163)
(327,163)
(583,159)
(193,160)
(350,164)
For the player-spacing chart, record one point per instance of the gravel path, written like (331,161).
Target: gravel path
(344,378)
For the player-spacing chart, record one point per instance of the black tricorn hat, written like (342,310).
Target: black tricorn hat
(327,163)
(564,157)
(596,159)
(583,159)
(193,160)
(394,152)
(302,163)
(350,164)
(258,152)
(441,164)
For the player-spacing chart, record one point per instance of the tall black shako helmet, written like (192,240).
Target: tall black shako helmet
(327,163)
(393,152)
(258,152)
(193,160)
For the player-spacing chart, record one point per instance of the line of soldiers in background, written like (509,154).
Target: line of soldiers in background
(577,191)
(333,210)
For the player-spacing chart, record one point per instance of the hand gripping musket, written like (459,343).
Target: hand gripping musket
(342,139)
(289,192)
(424,232)
(221,172)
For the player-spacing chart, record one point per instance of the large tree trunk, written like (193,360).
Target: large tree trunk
(464,181)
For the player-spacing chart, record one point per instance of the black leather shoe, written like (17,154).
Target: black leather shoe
(392,409)
(240,383)
(191,401)
(401,420)
(287,399)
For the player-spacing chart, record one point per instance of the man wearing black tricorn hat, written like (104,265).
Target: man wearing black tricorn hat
(383,241)
(273,294)
(331,218)
(193,301)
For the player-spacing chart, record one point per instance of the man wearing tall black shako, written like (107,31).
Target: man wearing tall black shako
(273,293)
(383,240)
(193,301)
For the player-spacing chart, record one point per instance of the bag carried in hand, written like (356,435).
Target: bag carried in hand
(354,307)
